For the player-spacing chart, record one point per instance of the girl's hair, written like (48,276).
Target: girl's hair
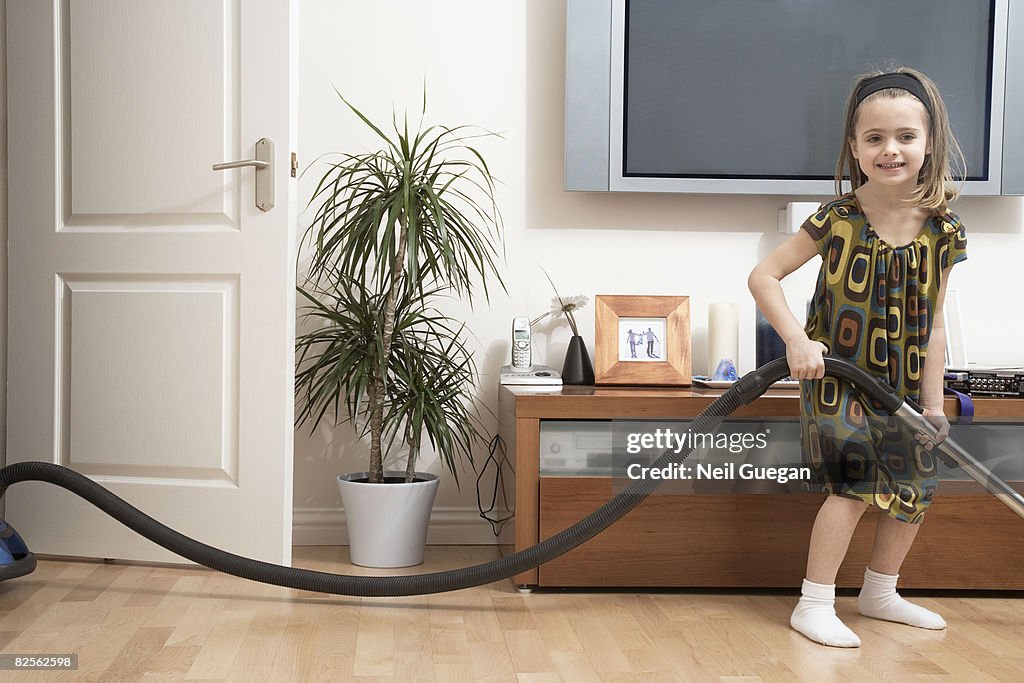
(937,181)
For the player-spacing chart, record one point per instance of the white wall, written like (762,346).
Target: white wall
(500,65)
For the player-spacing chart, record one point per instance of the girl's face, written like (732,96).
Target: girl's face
(890,140)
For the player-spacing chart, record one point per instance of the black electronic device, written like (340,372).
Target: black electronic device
(1007,382)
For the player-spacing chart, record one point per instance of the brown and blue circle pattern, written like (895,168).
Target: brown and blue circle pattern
(873,304)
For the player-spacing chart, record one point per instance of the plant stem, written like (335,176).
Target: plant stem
(378,386)
(410,465)
(374,388)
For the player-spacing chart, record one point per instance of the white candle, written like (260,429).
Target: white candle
(723,335)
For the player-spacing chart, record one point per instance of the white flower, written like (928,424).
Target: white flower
(568,306)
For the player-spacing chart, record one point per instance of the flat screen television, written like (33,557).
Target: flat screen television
(747,96)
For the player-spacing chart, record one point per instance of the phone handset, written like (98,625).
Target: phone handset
(522,356)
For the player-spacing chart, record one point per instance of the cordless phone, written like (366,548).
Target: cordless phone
(522,357)
(522,370)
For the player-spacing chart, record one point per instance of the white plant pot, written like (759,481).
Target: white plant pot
(387,523)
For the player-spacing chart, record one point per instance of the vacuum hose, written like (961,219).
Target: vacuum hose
(748,388)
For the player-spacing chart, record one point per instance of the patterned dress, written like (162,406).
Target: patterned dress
(873,305)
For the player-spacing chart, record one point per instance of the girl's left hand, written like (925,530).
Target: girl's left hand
(938,419)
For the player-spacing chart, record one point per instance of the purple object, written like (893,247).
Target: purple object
(726,370)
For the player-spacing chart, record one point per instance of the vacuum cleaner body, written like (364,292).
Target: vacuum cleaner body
(15,558)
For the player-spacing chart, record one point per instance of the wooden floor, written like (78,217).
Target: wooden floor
(132,622)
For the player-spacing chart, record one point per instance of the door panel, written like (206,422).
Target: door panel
(132,370)
(153,93)
(151,314)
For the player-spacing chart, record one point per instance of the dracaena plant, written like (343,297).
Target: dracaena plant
(396,230)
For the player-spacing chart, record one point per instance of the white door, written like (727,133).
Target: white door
(151,312)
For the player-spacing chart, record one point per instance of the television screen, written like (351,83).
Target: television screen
(756,88)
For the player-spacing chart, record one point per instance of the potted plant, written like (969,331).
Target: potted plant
(396,230)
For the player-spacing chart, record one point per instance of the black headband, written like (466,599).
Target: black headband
(902,81)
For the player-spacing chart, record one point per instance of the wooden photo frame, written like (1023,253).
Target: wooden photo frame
(642,340)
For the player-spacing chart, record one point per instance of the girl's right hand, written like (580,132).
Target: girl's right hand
(806,359)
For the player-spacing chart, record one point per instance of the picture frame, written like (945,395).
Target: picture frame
(642,340)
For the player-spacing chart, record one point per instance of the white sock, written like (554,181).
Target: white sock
(879,600)
(815,617)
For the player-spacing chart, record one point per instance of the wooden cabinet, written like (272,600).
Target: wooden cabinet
(969,539)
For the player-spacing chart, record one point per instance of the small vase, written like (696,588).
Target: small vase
(577,368)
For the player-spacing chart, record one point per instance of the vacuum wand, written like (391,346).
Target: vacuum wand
(755,383)
(958,457)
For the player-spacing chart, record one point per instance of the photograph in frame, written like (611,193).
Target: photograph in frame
(642,340)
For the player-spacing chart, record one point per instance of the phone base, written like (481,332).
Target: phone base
(536,374)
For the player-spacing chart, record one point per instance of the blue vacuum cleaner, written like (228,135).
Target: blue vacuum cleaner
(16,560)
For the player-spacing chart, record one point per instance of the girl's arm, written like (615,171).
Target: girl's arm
(935,366)
(935,360)
(804,355)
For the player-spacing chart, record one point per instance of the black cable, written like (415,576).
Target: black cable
(497,444)
(368,586)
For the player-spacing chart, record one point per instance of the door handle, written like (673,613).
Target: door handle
(240,164)
(264,165)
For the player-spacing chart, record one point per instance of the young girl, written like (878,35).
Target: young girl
(887,249)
